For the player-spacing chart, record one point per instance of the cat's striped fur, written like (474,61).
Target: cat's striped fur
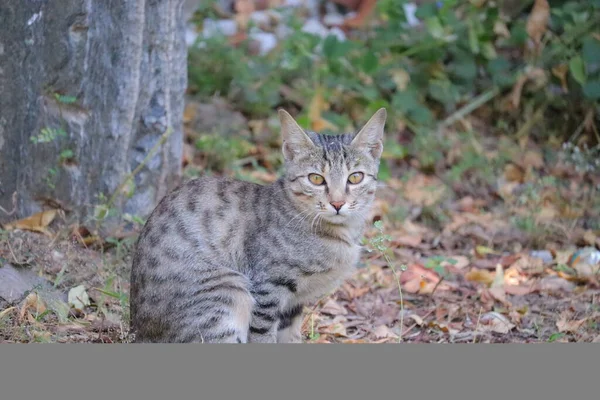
(221,260)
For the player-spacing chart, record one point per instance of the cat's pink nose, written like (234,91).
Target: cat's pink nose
(337,204)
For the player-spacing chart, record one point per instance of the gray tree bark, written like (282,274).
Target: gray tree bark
(95,84)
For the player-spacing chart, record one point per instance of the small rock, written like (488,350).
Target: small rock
(211,27)
(266,41)
(333,19)
(261,18)
(409,10)
(190,36)
(543,255)
(314,27)
(337,32)
(282,31)
(15,282)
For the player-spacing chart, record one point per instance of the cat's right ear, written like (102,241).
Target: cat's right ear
(295,141)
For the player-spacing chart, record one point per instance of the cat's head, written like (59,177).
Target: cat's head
(334,176)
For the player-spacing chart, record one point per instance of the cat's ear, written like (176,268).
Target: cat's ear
(371,135)
(295,141)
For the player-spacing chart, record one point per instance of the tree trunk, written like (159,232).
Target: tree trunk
(88,88)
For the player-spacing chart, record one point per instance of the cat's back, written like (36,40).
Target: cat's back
(203,215)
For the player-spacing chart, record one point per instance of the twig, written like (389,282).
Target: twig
(436,285)
(131,175)
(477,326)
(527,126)
(470,107)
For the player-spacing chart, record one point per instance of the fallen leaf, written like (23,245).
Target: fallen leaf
(32,302)
(480,275)
(424,190)
(537,75)
(36,223)
(418,320)
(446,328)
(554,284)
(331,307)
(514,173)
(589,237)
(401,78)
(78,297)
(561,71)
(382,331)
(572,326)
(483,251)
(407,240)
(458,262)
(5,312)
(337,329)
(587,270)
(495,322)
(498,281)
(355,341)
(418,279)
(315,109)
(538,21)
(519,290)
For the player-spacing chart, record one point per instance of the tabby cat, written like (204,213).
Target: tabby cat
(222,260)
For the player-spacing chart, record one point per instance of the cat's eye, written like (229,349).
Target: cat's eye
(356,177)
(316,179)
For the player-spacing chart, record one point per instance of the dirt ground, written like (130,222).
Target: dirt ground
(470,280)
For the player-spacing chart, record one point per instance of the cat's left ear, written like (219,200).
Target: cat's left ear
(371,135)
(295,141)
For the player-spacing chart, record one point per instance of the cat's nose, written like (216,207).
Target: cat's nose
(337,204)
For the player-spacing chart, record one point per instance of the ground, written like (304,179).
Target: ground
(469,277)
(486,226)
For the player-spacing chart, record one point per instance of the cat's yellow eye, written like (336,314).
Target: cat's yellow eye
(356,177)
(316,179)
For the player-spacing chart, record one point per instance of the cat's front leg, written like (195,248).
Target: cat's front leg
(290,325)
(265,317)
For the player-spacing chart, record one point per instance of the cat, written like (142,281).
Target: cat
(222,260)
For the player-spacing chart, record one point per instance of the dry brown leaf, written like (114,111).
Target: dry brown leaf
(315,109)
(460,262)
(572,326)
(5,312)
(554,284)
(424,190)
(34,303)
(480,275)
(586,270)
(533,159)
(560,71)
(331,307)
(355,341)
(537,75)
(37,222)
(382,331)
(538,21)
(495,322)
(418,320)
(407,240)
(590,238)
(501,29)
(519,290)
(514,173)
(498,281)
(418,279)
(401,78)
(337,329)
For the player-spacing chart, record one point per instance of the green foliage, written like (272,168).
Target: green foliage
(48,135)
